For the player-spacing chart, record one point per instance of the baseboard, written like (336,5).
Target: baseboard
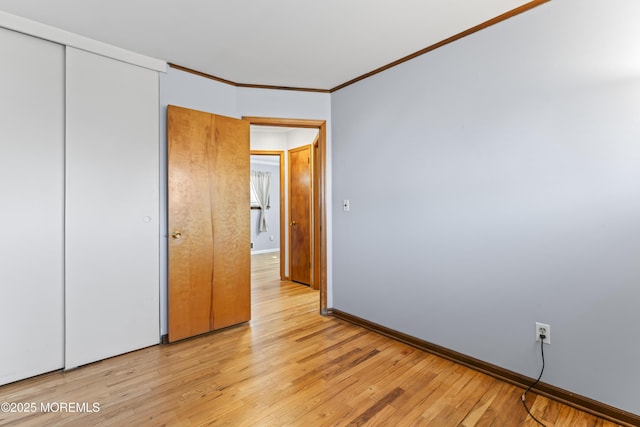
(563,396)
(264,251)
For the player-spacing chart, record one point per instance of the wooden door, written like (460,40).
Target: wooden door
(300,214)
(209,229)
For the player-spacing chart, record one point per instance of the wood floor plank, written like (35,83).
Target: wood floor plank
(380,405)
(289,366)
(480,407)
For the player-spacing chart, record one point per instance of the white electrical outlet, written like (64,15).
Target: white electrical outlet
(544,329)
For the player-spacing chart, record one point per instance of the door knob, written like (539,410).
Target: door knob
(176,235)
(293,223)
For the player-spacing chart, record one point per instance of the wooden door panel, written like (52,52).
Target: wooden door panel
(190,257)
(231,296)
(209,260)
(300,213)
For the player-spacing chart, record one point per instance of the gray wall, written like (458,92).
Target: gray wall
(495,182)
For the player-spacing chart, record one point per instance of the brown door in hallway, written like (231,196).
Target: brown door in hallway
(209,230)
(300,209)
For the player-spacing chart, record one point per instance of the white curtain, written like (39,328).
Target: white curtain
(261,184)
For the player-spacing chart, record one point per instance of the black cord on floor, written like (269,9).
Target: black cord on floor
(524,395)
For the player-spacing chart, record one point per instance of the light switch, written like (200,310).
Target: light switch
(346,206)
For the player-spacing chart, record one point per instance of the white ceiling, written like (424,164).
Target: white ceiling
(295,43)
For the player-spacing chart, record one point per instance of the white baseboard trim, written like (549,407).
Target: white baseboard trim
(265,251)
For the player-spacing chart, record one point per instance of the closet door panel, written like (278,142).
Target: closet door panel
(112,208)
(31,206)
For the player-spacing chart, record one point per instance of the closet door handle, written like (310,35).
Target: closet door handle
(293,223)
(176,234)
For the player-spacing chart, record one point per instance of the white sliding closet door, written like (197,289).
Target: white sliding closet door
(31,206)
(112,208)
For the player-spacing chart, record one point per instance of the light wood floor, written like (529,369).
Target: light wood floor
(289,366)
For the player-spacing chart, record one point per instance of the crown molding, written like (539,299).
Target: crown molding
(245,85)
(510,14)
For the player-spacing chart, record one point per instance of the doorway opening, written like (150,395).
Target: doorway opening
(268,238)
(298,130)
